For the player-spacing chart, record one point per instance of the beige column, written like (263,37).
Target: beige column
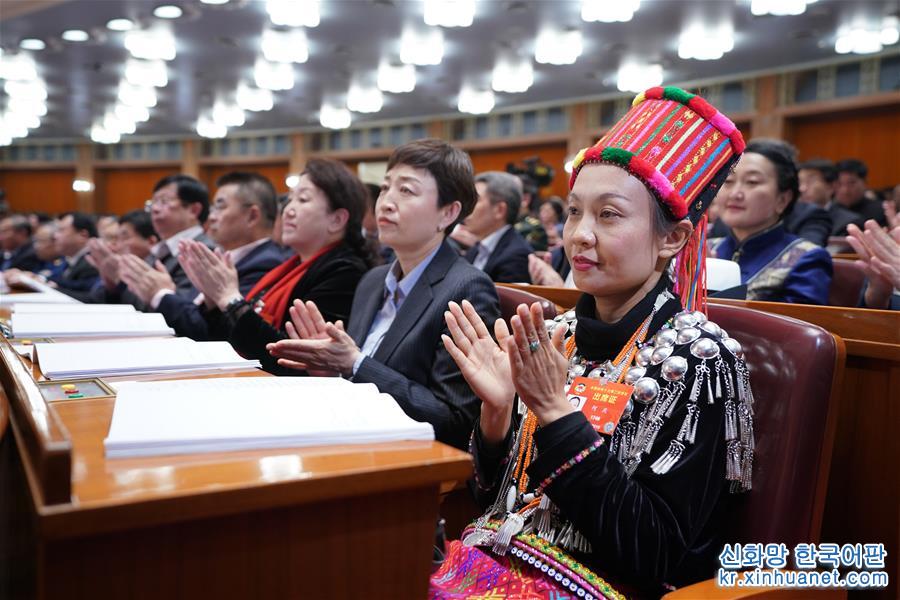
(190,158)
(298,157)
(579,130)
(768,122)
(84,169)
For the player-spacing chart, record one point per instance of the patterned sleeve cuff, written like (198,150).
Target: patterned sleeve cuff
(559,444)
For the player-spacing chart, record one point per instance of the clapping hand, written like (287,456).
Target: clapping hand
(143,280)
(879,257)
(212,273)
(320,348)
(106,262)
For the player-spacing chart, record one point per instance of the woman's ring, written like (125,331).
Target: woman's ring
(533,345)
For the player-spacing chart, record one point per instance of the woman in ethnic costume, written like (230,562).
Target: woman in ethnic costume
(578,513)
(775,265)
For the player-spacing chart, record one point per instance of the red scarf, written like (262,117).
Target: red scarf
(277,285)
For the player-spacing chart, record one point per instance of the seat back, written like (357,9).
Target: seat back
(846,284)
(795,372)
(511,298)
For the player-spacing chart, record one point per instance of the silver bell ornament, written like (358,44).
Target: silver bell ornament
(687,335)
(734,346)
(705,348)
(665,337)
(646,389)
(643,356)
(660,354)
(633,374)
(684,319)
(674,368)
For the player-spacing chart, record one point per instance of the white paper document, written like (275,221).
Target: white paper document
(89,325)
(110,358)
(722,274)
(215,415)
(72,309)
(37,298)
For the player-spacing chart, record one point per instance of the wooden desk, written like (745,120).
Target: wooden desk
(329,521)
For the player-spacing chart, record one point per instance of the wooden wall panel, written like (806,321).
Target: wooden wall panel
(47,190)
(276,172)
(121,190)
(552,154)
(872,135)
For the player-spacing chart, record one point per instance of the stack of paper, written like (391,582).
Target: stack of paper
(137,357)
(131,324)
(213,415)
(71,309)
(38,298)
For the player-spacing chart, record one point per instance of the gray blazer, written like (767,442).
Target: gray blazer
(411,363)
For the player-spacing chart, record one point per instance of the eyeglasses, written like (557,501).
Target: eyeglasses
(170,200)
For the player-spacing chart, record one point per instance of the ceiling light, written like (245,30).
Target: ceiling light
(102,136)
(208,128)
(135,114)
(422,48)
(779,7)
(637,78)
(75,35)
(12,128)
(291,181)
(82,185)
(397,79)
(619,11)
(18,67)
(113,123)
(449,13)
(294,13)
(147,72)
(558,47)
(253,98)
(700,43)
(890,31)
(5,140)
(119,24)
(273,76)
(134,95)
(32,91)
(156,44)
(476,102)
(364,99)
(167,11)
(27,120)
(512,76)
(333,117)
(285,46)
(27,106)
(214,1)
(227,114)
(32,44)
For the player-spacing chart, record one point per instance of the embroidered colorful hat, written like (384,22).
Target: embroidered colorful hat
(682,149)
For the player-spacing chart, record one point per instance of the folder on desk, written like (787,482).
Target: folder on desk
(70,308)
(37,297)
(114,358)
(58,325)
(216,415)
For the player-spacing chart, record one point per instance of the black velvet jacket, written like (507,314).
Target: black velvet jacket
(648,529)
(330,282)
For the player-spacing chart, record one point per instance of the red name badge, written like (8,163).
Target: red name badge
(602,403)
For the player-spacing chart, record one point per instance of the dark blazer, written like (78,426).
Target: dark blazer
(183,285)
(806,220)
(121,294)
(508,263)
(77,279)
(868,208)
(330,282)
(841,217)
(809,222)
(189,319)
(411,364)
(23,258)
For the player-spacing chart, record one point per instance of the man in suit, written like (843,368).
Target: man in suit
(240,222)
(73,232)
(818,178)
(851,189)
(178,210)
(15,241)
(501,252)
(134,235)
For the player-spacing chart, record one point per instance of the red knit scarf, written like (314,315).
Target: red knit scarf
(276,286)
